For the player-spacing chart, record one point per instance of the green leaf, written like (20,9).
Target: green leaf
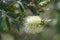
(0,17)
(12,14)
(10,7)
(22,9)
(27,1)
(17,25)
(8,23)
(37,1)
(21,6)
(0,5)
(33,9)
(4,25)
(0,20)
(58,23)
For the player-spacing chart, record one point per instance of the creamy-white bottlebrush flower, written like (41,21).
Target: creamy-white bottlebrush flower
(33,25)
(44,2)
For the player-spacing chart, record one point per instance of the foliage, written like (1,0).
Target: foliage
(12,13)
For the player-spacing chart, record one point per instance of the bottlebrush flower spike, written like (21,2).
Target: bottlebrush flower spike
(32,25)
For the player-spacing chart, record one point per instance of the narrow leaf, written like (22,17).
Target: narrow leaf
(8,23)
(4,25)
(0,20)
(33,9)
(17,25)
